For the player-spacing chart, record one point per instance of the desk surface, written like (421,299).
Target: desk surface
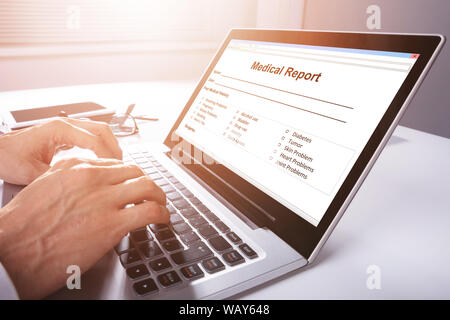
(399,221)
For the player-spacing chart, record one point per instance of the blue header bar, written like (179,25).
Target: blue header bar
(337,49)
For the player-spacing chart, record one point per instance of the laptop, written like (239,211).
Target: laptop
(276,139)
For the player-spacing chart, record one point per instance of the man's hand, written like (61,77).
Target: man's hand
(72,215)
(27,153)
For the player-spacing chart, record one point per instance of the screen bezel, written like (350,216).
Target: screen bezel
(297,232)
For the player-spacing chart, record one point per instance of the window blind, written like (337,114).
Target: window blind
(93,21)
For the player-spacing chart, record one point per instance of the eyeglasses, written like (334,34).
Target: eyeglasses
(123,125)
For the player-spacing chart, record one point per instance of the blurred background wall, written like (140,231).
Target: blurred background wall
(48,43)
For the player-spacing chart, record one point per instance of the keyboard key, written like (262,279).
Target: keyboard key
(164,235)
(158,227)
(149,169)
(159,264)
(172,245)
(189,237)
(162,182)
(187,193)
(162,169)
(196,252)
(140,161)
(181,228)
(167,173)
(137,271)
(134,151)
(168,189)
(197,221)
(169,279)
(172,196)
(188,213)
(173,180)
(129,257)
(124,245)
(211,216)
(195,201)
(192,272)
(233,258)
(233,237)
(171,209)
(181,204)
(155,176)
(141,235)
(144,287)
(221,226)
(207,231)
(213,265)
(176,218)
(150,249)
(219,244)
(202,208)
(180,186)
(249,252)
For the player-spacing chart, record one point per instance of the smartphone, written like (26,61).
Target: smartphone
(21,118)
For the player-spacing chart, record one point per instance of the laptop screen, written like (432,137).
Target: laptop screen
(293,119)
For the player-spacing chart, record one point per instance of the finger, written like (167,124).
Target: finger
(72,162)
(143,214)
(66,133)
(120,173)
(102,130)
(138,190)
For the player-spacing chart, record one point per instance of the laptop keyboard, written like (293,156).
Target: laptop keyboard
(195,242)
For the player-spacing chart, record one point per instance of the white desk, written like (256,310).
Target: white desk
(399,220)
